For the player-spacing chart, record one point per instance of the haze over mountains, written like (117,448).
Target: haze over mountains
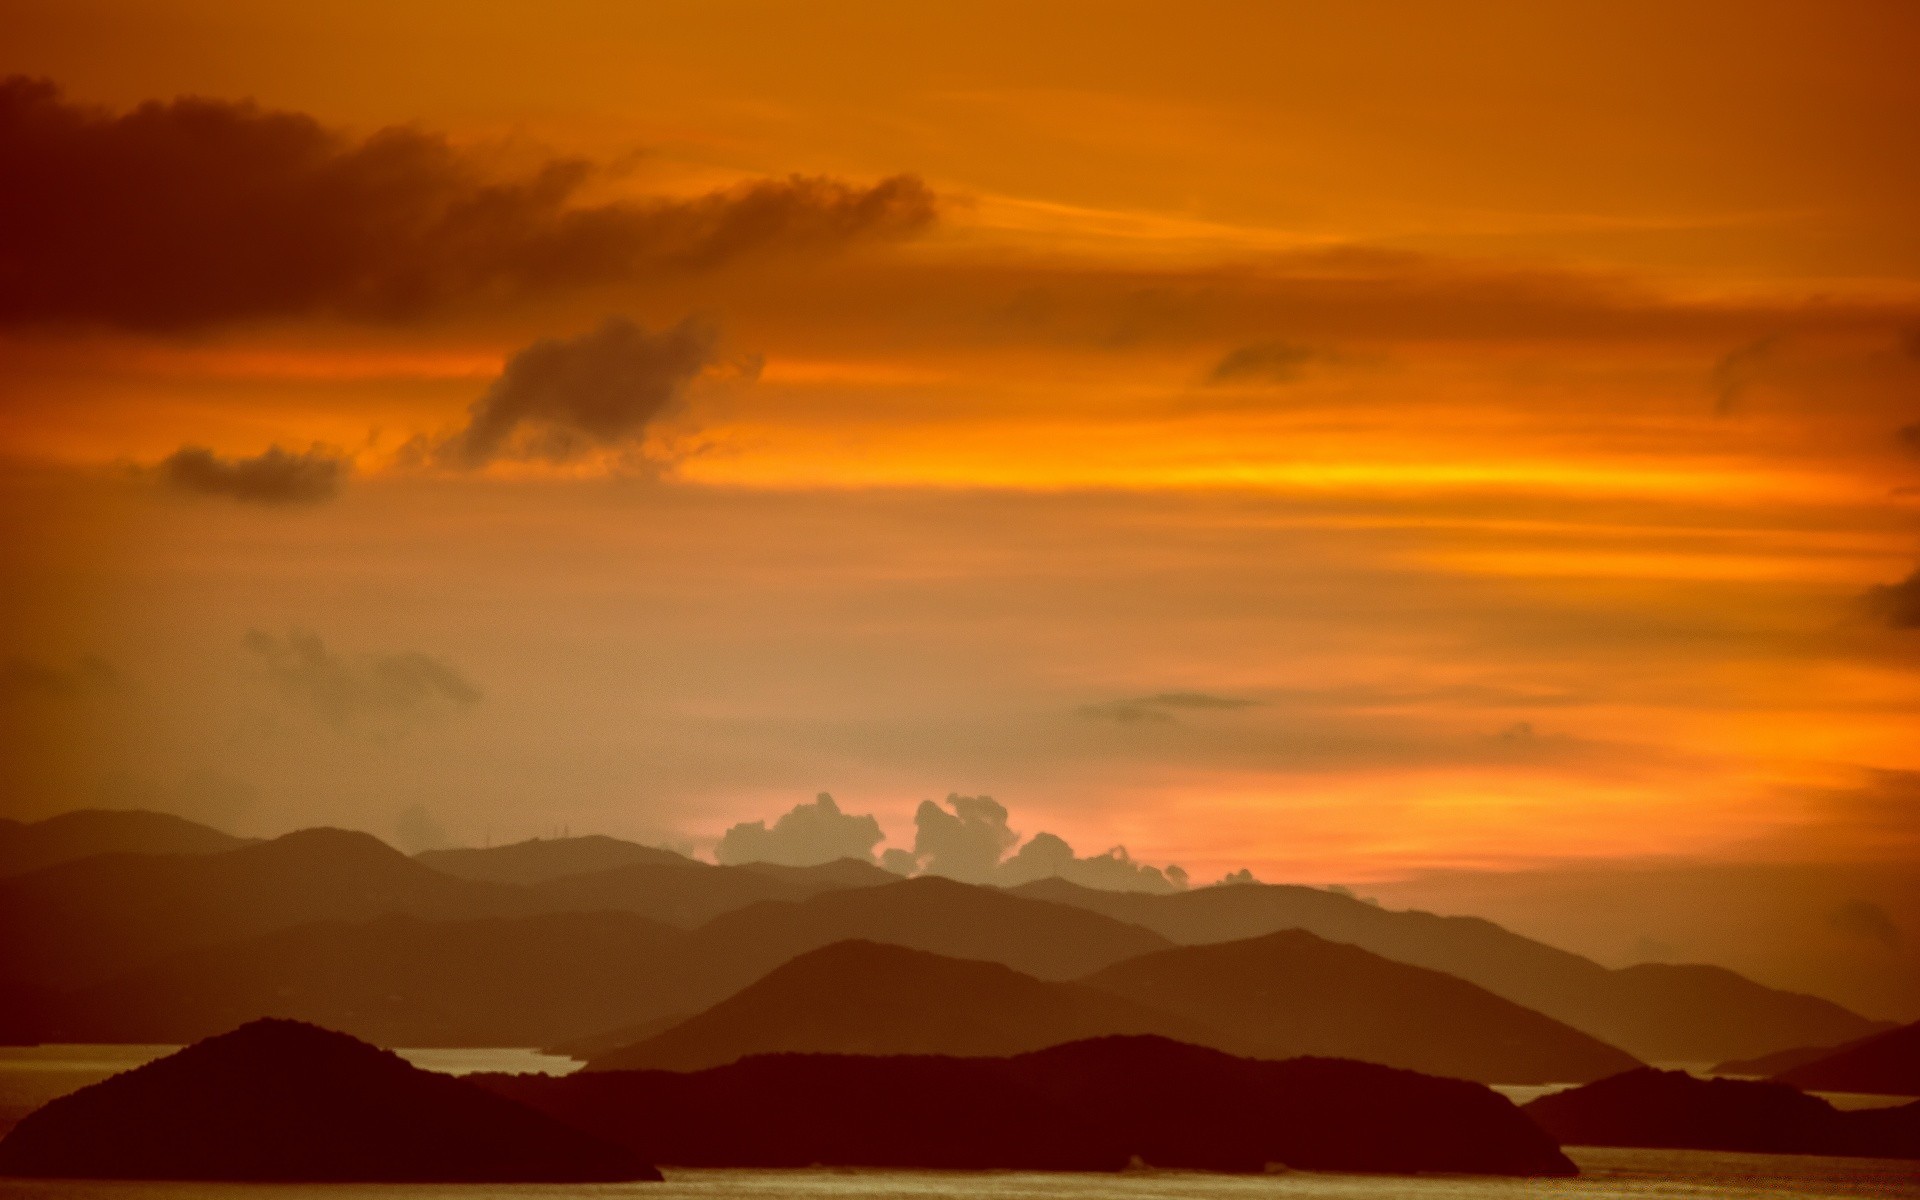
(516,947)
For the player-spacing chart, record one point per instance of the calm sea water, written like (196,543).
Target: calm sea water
(1609,1175)
(30,1076)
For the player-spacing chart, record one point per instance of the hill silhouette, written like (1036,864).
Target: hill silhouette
(537,860)
(87,832)
(1291,993)
(864,998)
(1089,1106)
(939,916)
(1886,1064)
(284,1101)
(1768,1065)
(688,893)
(1648,1107)
(1654,1011)
(82,922)
(396,980)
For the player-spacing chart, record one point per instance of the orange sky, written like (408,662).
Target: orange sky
(1504,400)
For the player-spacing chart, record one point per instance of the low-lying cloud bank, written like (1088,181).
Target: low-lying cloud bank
(808,835)
(967,838)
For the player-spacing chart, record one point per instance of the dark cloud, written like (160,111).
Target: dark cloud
(1865,919)
(1263,362)
(377,693)
(1898,604)
(186,213)
(275,477)
(562,397)
(1162,707)
(1909,436)
(89,674)
(1243,875)
(806,835)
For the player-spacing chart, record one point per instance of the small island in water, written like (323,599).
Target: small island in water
(284,1101)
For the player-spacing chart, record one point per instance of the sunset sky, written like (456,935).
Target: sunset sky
(1362,443)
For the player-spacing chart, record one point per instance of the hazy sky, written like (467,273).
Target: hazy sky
(1344,441)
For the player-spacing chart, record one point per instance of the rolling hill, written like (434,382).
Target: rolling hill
(1291,993)
(1655,1012)
(865,998)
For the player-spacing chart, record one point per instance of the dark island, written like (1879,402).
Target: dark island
(288,1102)
(1647,1107)
(1095,1105)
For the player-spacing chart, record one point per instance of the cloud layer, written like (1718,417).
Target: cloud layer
(182,214)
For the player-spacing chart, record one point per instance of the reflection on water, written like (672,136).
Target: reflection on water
(1609,1175)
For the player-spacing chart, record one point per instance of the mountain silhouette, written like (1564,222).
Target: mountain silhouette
(1886,1064)
(864,998)
(1648,1107)
(396,980)
(939,916)
(540,859)
(1766,1066)
(688,893)
(285,1101)
(82,922)
(1291,993)
(1086,1106)
(1659,1012)
(828,876)
(87,832)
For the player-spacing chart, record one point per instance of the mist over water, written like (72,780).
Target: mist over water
(1607,1175)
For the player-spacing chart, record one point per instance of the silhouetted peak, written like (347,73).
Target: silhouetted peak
(326,844)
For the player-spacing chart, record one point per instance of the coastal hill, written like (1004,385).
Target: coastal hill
(284,1101)
(939,916)
(1086,1106)
(1291,993)
(1648,1107)
(1886,1064)
(31,846)
(1281,996)
(1656,1012)
(863,998)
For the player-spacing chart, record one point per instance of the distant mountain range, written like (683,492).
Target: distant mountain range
(1657,1012)
(83,834)
(517,947)
(1282,996)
